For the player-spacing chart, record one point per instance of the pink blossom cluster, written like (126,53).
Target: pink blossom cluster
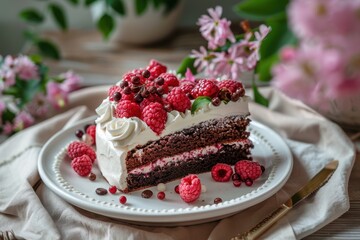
(20,77)
(326,63)
(241,55)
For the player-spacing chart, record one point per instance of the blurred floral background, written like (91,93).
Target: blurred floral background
(308,49)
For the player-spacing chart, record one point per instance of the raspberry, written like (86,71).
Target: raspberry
(155,116)
(178,100)
(151,98)
(205,87)
(127,109)
(161,195)
(122,199)
(135,73)
(170,79)
(155,68)
(187,86)
(190,188)
(230,85)
(82,165)
(112,90)
(91,130)
(248,170)
(221,172)
(112,189)
(77,149)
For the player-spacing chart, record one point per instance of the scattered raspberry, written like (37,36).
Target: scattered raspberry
(161,195)
(82,165)
(112,189)
(178,100)
(221,172)
(190,188)
(91,131)
(77,149)
(155,68)
(155,116)
(127,109)
(170,79)
(122,199)
(205,87)
(187,86)
(248,170)
(230,85)
(112,90)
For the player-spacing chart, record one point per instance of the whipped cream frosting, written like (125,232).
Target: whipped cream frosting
(116,136)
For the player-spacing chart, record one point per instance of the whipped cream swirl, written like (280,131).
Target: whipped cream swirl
(104,112)
(122,130)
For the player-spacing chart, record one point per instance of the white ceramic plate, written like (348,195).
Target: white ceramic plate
(270,150)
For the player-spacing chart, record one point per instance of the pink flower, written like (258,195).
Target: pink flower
(214,29)
(22,121)
(39,106)
(25,68)
(255,45)
(314,74)
(189,76)
(203,60)
(56,95)
(7,128)
(72,81)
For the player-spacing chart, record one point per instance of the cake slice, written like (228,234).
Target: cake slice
(153,128)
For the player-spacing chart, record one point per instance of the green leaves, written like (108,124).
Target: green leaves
(260,10)
(32,15)
(186,63)
(48,49)
(140,6)
(118,6)
(58,15)
(200,102)
(106,25)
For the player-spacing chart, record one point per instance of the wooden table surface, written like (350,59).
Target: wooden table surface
(104,63)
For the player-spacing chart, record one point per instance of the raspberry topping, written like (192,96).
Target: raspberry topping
(82,165)
(91,131)
(151,98)
(112,90)
(187,86)
(155,68)
(248,170)
(178,100)
(170,79)
(190,188)
(205,87)
(127,109)
(230,85)
(221,172)
(77,149)
(155,117)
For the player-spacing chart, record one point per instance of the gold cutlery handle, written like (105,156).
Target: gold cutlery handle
(266,223)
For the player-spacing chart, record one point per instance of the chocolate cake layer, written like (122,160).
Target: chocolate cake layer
(230,154)
(200,135)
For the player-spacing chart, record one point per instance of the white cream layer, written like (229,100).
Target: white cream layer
(116,136)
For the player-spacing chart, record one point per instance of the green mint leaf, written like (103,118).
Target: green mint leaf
(140,6)
(259,10)
(58,15)
(118,6)
(199,103)
(32,15)
(106,25)
(48,49)
(186,63)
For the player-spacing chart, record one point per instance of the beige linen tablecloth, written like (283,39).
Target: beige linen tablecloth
(32,211)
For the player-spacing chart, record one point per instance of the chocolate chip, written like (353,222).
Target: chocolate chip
(92,176)
(147,194)
(146,74)
(217,200)
(101,191)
